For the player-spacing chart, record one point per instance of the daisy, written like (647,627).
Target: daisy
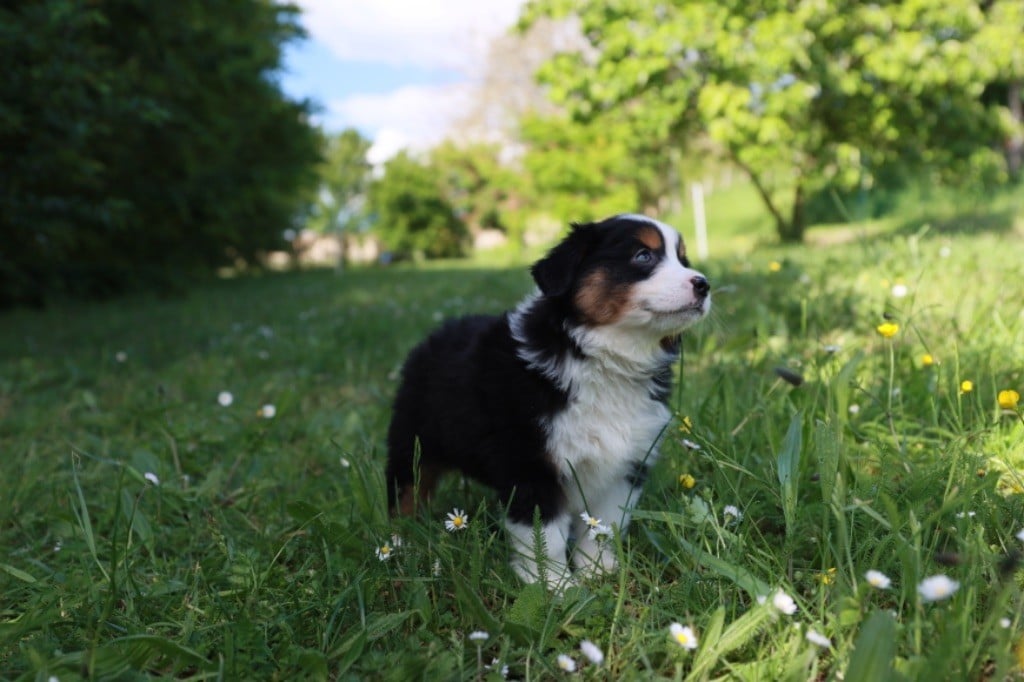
(502,669)
(899,290)
(1020,535)
(225,398)
(683,635)
(120,356)
(457,520)
(854,408)
(784,603)
(878,579)
(384,552)
(731,510)
(151,477)
(690,445)
(591,521)
(832,348)
(964,515)
(267,411)
(478,636)
(818,639)
(937,588)
(600,532)
(566,663)
(1005,623)
(592,652)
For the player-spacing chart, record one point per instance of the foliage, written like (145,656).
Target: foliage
(412,216)
(344,176)
(253,556)
(475,182)
(143,141)
(797,96)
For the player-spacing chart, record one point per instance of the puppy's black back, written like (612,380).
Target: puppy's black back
(472,405)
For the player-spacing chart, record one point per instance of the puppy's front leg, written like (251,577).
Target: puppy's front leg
(548,561)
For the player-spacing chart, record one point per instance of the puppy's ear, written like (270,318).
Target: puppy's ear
(554,273)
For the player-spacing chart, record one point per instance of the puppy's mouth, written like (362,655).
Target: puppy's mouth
(695,309)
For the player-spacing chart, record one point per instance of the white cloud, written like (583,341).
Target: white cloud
(431,34)
(414,116)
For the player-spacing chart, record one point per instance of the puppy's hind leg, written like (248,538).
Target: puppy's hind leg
(410,481)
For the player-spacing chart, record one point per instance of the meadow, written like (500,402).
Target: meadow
(193,488)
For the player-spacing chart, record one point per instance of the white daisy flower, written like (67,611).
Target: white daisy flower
(151,477)
(478,636)
(457,520)
(690,445)
(683,635)
(345,464)
(832,348)
(854,409)
(965,515)
(945,252)
(731,510)
(502,669)
(384,552)
(566,663)
(877,579)
(120,356)
(591,521)
(784,603)
(1020,535)
(592,652)
(818,639)
(937,588)
(600,532)
(268,411)
(899,290)
(225,398)
(1005,623)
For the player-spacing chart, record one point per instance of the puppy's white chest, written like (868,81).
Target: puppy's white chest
(606,426)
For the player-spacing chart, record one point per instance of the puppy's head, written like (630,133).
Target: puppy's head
(627,271)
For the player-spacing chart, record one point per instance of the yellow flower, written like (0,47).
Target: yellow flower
(828,577)
(966,386)
(685,425)
(687,481)
(888,329)
(927,360)
(774,266)
(1008,399)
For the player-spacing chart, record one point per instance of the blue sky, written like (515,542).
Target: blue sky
(400,71)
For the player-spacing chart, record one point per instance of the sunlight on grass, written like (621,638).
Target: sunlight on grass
(154,526)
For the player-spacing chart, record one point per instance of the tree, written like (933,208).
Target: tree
(411,215)
(474,180)
(795,94)
(143,141)
(344,176)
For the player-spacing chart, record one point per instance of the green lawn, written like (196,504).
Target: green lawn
(255,554)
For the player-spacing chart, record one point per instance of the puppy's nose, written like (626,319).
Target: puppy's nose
(700,286)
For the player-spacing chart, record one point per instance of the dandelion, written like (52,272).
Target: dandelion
(225,398)
(457,520)
(731,511)
(1008,399)
(384,552)
(683,635)
(687,481)
(877,579)
(818,639)
(888,329)
(566,663)
(899,290)
(478,636)
(937,588)
(966,386)
(783,603)
(151,477)
(927,360)
(774,266)
(685,425)
(592,652)
(690,445)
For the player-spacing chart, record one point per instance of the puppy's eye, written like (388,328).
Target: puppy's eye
(643,256)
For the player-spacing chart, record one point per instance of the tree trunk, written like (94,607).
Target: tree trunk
(1015,145)
(792,231)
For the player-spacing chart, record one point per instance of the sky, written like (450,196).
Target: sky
(399,71)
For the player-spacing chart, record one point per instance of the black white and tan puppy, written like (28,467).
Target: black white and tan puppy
(560,403)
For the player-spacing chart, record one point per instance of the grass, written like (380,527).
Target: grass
(255,555)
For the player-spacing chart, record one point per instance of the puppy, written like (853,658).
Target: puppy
(559,404)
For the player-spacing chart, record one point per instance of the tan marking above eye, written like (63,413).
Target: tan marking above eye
(651,238)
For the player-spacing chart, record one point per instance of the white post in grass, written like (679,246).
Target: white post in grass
(699,221)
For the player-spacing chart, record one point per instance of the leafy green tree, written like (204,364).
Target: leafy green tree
(412,216)
(795,94)
(143,141)
(344,176)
